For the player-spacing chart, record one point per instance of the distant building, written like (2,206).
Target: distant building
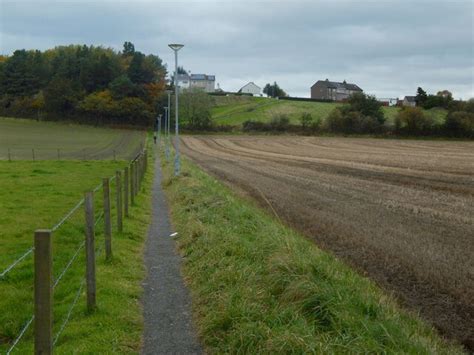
(251,88)
(184,81)
(388,101)
(332,90)
(409,101)
(201,81)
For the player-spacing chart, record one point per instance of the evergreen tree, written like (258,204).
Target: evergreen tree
(128,49)
(420,97)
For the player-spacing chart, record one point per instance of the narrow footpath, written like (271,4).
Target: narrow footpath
(166,301)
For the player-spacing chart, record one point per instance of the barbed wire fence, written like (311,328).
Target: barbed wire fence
(127,184)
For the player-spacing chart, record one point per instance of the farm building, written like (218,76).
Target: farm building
(251,88)
(332,90)
(409,101)
(201,81)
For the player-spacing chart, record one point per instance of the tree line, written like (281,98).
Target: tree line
(83,83)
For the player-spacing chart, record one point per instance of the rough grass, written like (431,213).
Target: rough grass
(36,195)
(259,287)
(236,110)
(74,141)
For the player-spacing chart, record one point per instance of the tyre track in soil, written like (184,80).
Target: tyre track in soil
(409,230)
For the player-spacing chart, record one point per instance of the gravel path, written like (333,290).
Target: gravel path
(166,302)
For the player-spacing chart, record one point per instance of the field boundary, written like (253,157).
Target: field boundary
(45,283)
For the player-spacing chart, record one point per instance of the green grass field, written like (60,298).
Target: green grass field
(259,287)
(78,142)
(234,110)
(36,195)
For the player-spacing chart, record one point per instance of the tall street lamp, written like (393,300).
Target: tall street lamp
(176,47)
(166,135)
(169,92)
(159,130)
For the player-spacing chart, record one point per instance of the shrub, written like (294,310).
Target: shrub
(412,120)
(249,126)
(315,125)
(306,120)
(343,120)
(196,108)
(279,122)
(460,123)
(367,105)
(335,121)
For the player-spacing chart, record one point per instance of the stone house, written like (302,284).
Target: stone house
(332,90)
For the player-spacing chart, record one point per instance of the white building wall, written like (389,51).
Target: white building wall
(250,88)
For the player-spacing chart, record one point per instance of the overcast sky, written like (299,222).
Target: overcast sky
(388,48)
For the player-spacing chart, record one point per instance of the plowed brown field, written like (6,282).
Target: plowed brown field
(400,211)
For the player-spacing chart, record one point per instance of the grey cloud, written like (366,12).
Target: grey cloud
(387,47)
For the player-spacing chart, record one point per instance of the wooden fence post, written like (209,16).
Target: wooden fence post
(33,153)
(134,180)
(136,177)
(107,223)
(139,172)
(114,156)
(125,192)
(118,188)
(9,155)
(146,160)
(132,177)
(90,250)
(59,155)
(43,292)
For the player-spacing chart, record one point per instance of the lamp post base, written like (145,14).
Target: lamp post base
(177,165)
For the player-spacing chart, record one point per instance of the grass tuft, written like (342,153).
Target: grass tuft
(260,287)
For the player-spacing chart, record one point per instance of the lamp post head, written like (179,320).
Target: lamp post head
(175,46)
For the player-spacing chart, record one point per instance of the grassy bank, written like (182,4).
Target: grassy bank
(236,110)
(37,195)
(259,287)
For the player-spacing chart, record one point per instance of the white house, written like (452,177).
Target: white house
(201,81)
(250,88)
(184,81)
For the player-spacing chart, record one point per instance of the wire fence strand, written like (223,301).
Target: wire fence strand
(16,262)
(23,331)
(68,265)
(97,188)
(68,316)
(99,218)
(69,214)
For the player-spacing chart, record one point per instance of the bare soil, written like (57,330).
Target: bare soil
(399,211)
